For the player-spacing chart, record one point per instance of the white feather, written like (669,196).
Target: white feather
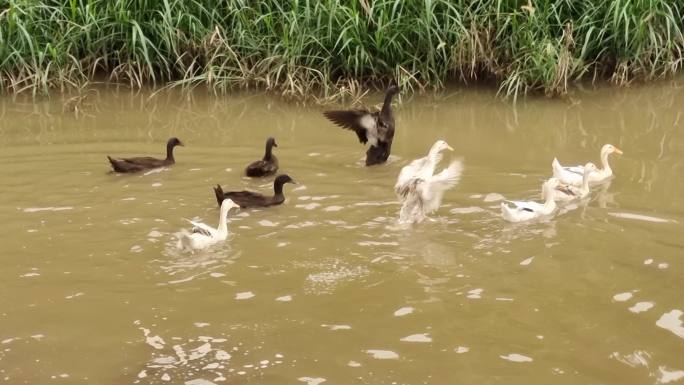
(196,240)
(572,175)
(420,190)
(520,211)
(202,226)
(370,123)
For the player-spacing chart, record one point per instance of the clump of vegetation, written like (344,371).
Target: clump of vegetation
(328,48)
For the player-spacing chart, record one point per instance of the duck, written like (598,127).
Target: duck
(573,175)
(247,199)
(520,211)
(202,236)
(419,189)
(128,165)
(266,166)
(373,127)
(566,193)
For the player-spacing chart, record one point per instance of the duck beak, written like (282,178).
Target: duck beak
(449,148)
(294,181)
(181,143)
(618,151)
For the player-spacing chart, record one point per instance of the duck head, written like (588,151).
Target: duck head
(228,204)
(280,180)
(589,168)
(270,142)
(440,146)
(284,178)
(610,149)
(393,88)
(173,142)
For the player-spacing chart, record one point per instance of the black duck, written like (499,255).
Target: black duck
(252,199)
(266,166)
(374,127)
(145,162)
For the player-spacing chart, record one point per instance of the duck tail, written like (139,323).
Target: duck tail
(557,168)
(218,191)
(506,211)
(115,164)
(183,239)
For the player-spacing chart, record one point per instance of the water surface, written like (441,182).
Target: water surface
(327,288)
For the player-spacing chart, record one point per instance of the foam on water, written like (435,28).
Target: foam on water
(423,338)
(515,357)
(671,321)
(244,295)
(641,307)
(336,327)
(622,297)
(39,209)
(382,354)
(403,311)
(667,376)
(527,261)
(639,217)
(467,210)
(312,380)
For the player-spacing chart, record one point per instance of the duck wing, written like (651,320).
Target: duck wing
(417,169)
(362,121)
(201,228)
(248,198)
(568,190)
(262,168)
(146,161)
(575,169)
(524,205)
(122,165)
(433,189)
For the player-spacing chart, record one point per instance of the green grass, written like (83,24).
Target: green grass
(326,49)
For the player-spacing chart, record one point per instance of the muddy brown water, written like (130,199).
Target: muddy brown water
(327,288)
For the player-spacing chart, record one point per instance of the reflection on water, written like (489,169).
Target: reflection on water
(329,287)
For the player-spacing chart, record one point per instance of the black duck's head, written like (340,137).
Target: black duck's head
(270,142)
(282,179)
(393,88)
(173,142)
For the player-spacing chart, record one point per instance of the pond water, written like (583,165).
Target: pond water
(327,288)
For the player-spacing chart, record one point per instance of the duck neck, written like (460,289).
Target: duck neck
(169,152)
(585,182)
(278,189)
(604,163)
(223,222)
(269,148)
(387,105)
(549,204)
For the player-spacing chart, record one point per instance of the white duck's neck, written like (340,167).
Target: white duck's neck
(223,223)
(605,170)
(432,156)
(549,204)
(585,182)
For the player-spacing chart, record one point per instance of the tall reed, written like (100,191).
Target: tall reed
(324,48)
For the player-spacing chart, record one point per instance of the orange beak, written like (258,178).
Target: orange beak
(618,151)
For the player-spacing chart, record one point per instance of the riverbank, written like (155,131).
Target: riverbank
(326,50)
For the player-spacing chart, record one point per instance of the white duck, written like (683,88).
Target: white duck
(573,175)
(566,193)
(420,190)
(202,235)
(519,211)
